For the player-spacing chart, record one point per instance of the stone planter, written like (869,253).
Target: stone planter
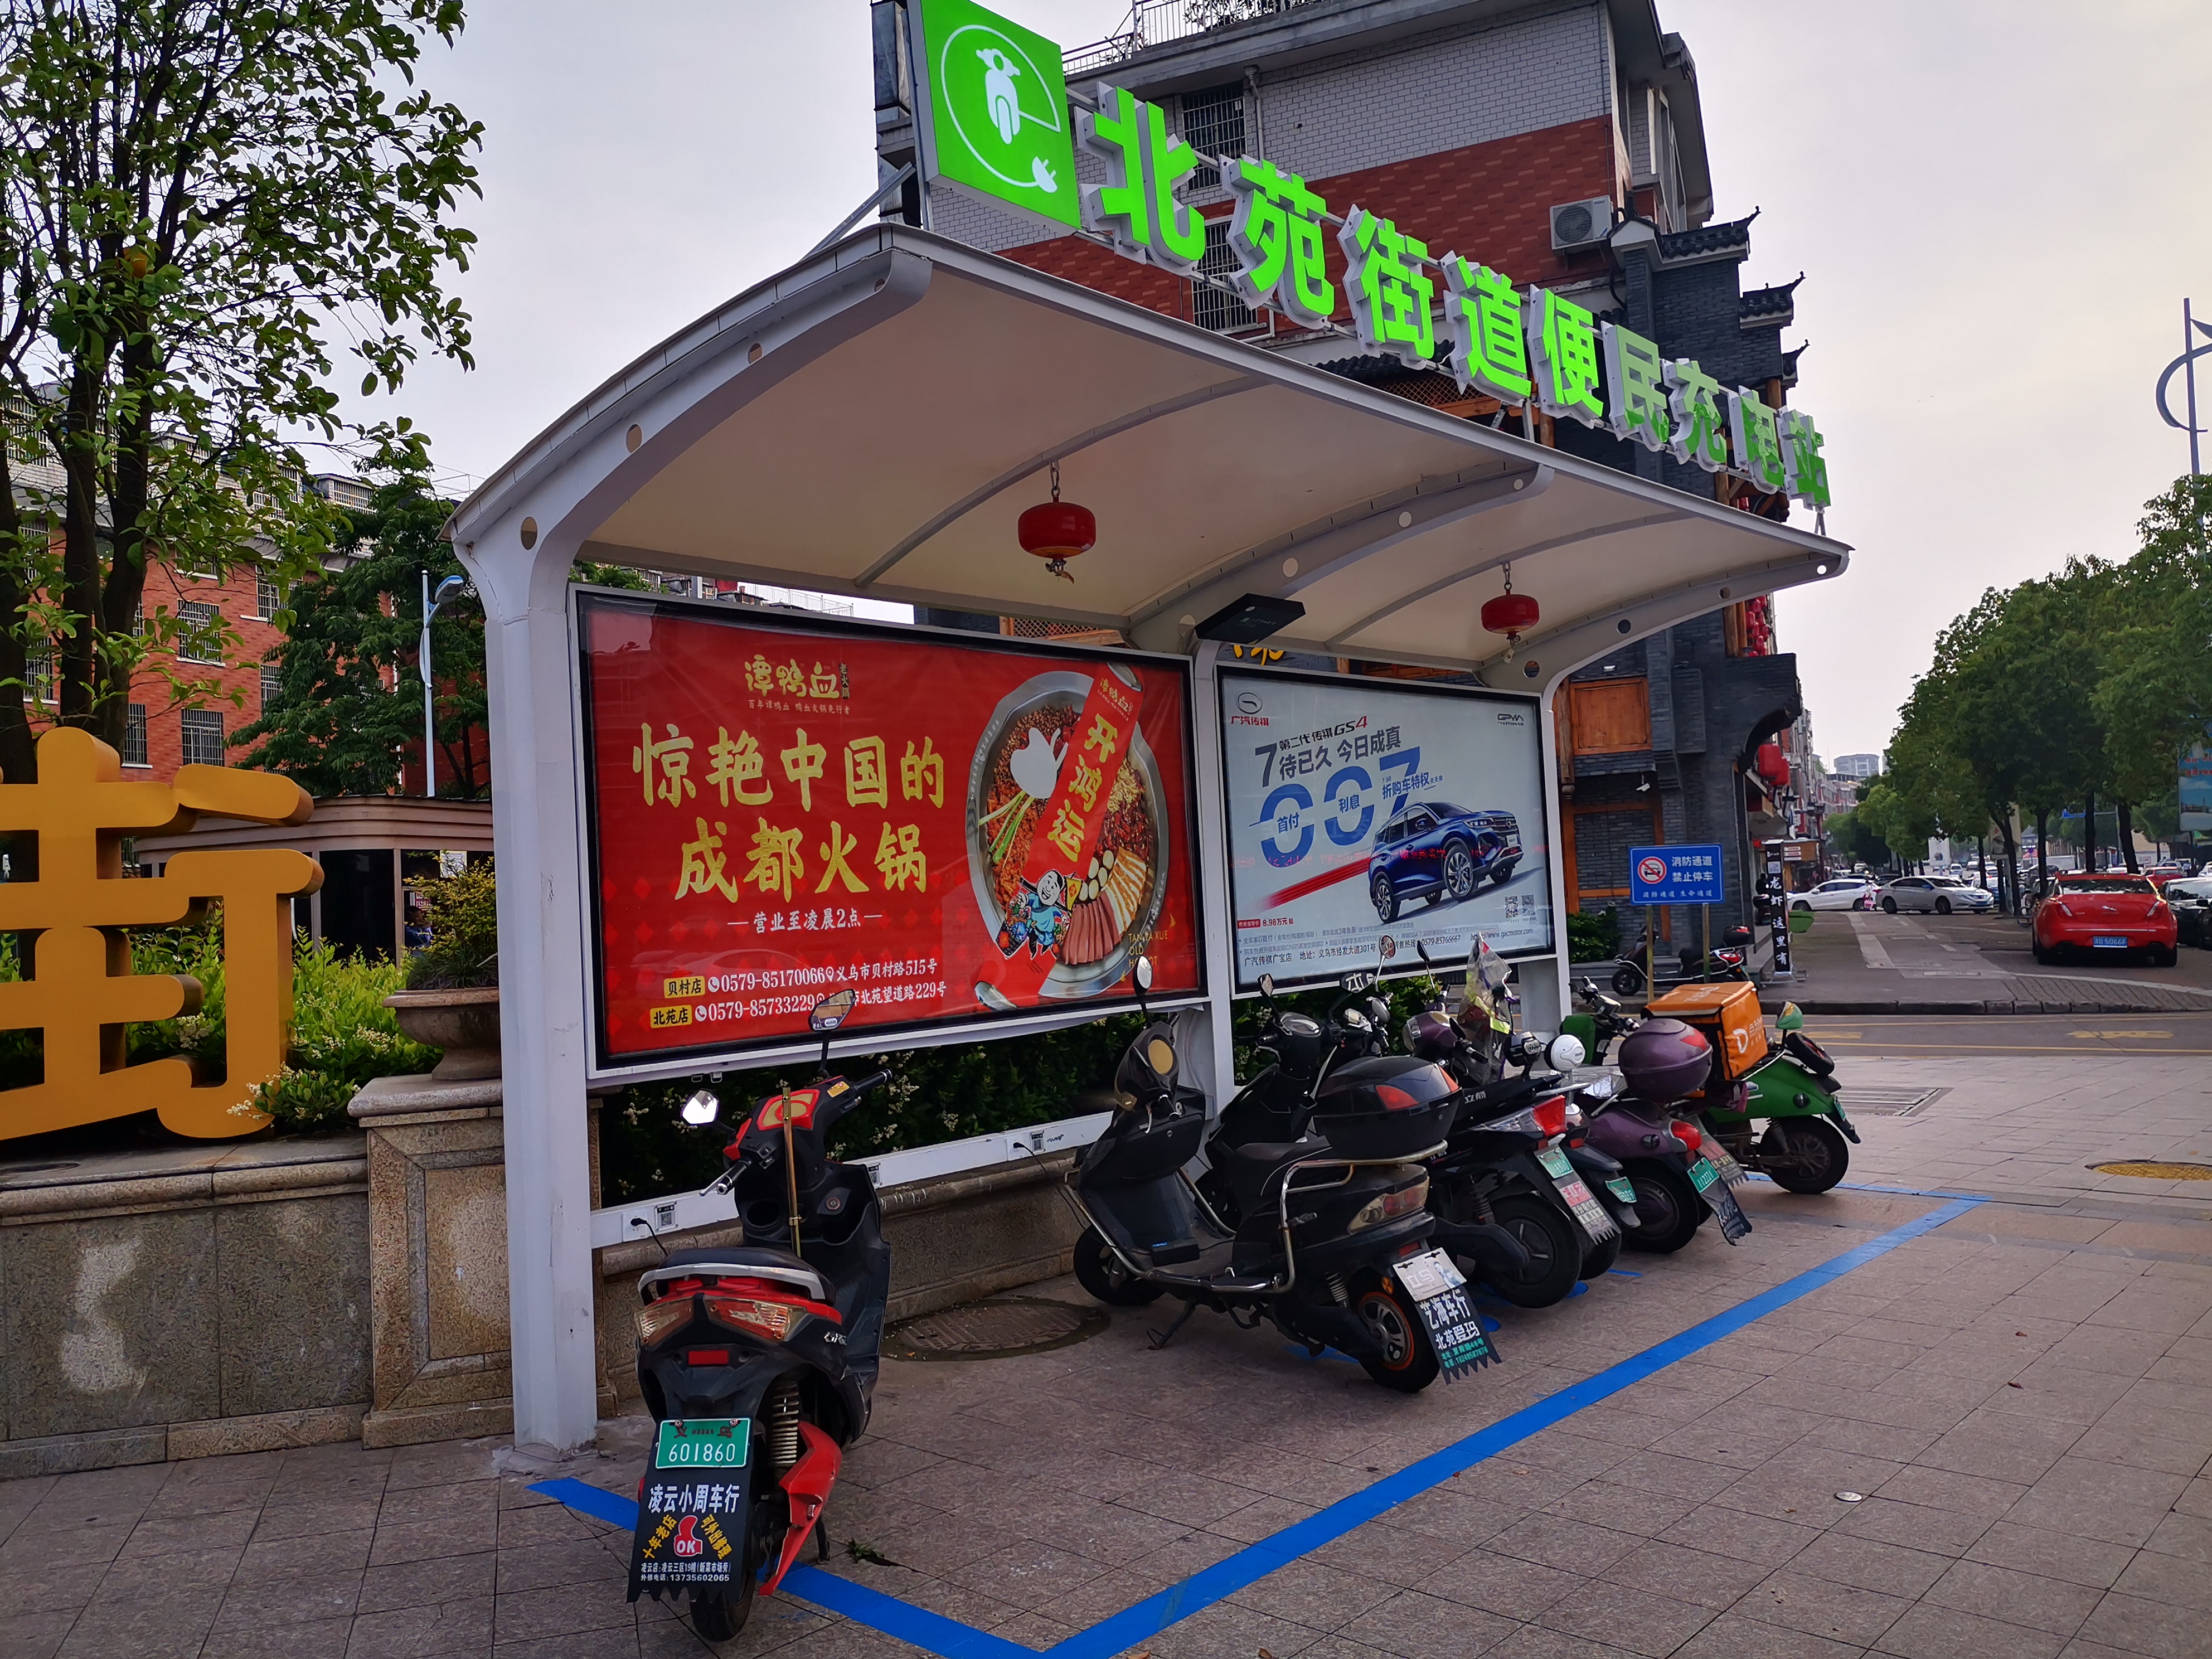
(465,1024)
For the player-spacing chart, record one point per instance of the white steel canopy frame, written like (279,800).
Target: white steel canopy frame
(870,422)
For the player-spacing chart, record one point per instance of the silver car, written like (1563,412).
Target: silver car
(1940,894)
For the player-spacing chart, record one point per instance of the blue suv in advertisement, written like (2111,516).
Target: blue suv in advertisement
(1434,850)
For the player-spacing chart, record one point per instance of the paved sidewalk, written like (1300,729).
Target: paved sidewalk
(1867,963)
(2028,1415)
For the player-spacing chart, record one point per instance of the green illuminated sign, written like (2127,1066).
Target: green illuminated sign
(997,111)
(997,121)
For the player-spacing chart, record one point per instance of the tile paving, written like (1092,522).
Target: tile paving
(2024,1395)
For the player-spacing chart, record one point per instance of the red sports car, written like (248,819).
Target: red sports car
(2104,913)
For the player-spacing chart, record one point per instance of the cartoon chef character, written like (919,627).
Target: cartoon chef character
(1036,917)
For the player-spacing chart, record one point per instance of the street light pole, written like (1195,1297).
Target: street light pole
(447,589)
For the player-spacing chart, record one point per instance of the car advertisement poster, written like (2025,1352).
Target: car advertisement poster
(781,806)
(1367,817)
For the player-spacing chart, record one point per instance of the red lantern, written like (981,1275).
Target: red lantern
(1773,765)
(1510,614)
(1056,531)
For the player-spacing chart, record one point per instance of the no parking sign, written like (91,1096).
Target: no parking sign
(1674,875)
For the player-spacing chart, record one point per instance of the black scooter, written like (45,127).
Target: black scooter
(1327,1239)
(758,1360)
(1512,1161)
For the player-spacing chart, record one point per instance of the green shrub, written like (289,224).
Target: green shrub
(1593,935)
(463,948)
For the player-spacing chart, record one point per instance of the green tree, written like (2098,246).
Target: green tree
(197,198)
(348,700)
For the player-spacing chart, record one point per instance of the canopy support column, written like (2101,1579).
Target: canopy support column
(553,1355)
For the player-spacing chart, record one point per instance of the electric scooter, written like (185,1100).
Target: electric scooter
(758,1360)
(1328,1235)
(1792,1089)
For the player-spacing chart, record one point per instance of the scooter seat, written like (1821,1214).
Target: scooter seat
(1251,1169)
(740,1261)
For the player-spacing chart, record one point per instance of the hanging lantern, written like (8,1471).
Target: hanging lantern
(1056,531)
(1773,765)
(1510,614)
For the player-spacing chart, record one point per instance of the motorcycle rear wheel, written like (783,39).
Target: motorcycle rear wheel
(1815,1157)
(1555,1251)
(1408,1362)
(718,1615)
(1598,1258)
(1100,1272)
(1667,1206)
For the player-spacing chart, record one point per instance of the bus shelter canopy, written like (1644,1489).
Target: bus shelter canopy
(872,422)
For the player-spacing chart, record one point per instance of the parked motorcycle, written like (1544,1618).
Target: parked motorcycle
(1324,1234)
(1791,1082)
(1680,1173)
(758,1361)
(1729,960)
(1511,1161)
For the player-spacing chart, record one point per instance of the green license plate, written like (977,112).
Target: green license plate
(1556,1163)
(1703,1175)
(1620,1187)
(703,1443)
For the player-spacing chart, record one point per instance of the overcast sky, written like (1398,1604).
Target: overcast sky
(1998,203)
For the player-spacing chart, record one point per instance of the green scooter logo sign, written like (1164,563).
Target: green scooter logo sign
(998,111)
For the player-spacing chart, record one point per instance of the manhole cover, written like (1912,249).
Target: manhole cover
(998,1329)
(1886,1103)
(2158,1171)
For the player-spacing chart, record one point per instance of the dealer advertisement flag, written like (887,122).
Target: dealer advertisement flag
(780,807)
(1367,816)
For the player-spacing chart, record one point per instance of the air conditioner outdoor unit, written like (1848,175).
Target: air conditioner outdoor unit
(1581,224)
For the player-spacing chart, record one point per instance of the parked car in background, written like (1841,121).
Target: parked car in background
(1843,893)
(2105,913)
(2160,875)
(1434,850)
(2189,898)
(1940,894)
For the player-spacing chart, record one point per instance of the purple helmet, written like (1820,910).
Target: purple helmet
(1664,1061)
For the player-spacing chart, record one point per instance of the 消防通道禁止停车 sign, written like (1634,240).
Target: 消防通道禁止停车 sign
(1674,875)
(959,831)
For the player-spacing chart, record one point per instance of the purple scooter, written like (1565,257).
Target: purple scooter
(1681,1174)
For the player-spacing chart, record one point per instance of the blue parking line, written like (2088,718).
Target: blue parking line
(934,1633)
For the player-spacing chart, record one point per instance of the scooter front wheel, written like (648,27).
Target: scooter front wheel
(1803,1154)
(1407,1363)
(1668,1208)
(1100,1272)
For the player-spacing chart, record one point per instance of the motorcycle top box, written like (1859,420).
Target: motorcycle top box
(1727,1016)
(1390,1106)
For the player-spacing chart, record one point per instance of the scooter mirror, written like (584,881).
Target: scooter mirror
(702,1108)
(1565,1052)
(1791,1018)
(1267,986)
(829,1013)
(1143,973)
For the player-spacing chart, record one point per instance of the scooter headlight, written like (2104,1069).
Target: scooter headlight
(658,1321)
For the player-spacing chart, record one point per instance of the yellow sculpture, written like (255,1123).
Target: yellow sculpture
(78,987)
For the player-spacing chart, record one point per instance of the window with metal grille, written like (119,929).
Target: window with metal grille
(134,735)
(197,640)
(1213,125)
(266,598)
(1218,308)
(202,736)
(272,686)
(39,674)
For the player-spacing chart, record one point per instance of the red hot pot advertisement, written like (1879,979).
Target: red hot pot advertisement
(960,828)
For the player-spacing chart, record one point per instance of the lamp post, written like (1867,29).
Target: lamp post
(447,589)
(2185,366)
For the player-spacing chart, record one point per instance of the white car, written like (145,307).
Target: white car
(1843,893)
(1938,893)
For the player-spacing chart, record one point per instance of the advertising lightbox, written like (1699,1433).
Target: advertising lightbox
(1369,815)
(962,829)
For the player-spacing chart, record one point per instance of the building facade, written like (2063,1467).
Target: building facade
(1563,143)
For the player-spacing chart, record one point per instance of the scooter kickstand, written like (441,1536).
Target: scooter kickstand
(1161,1338)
